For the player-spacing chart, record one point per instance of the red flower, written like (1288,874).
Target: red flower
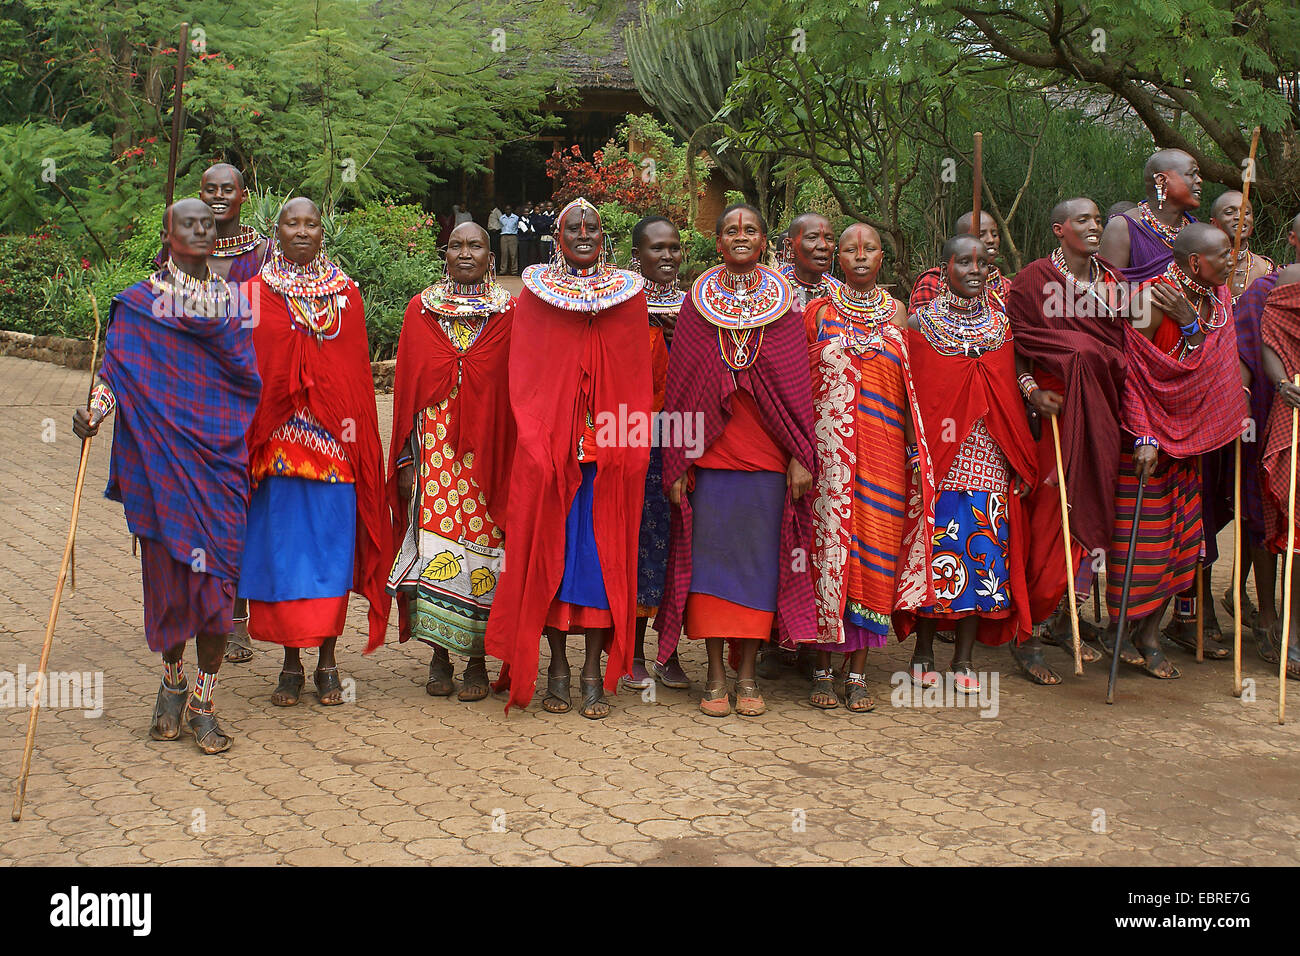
(85,263)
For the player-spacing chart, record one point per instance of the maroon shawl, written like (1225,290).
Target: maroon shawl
(1280,331)
(561,363)
(701,383)
(1191,406)
(1076,342)
(428,366)
(333,381)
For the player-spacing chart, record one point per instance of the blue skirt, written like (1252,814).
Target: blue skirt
(652,544)
(969,560)
(583,582)
(300,541)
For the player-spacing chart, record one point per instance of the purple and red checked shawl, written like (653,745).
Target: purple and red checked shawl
(1248,312)
(186,390)
(700,381)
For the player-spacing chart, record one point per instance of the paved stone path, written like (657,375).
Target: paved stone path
(1177,772)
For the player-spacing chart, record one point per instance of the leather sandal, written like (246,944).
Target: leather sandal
(207,732)
(823,685)
(289,689)
(922,672)
(856,697)
(239,648)
(716,702)
(594,705)
(440,682)
(749,702)
(167,710)
(328,686)
(474,684)
(558,699)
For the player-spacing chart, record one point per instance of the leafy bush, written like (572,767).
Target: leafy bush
(29,262)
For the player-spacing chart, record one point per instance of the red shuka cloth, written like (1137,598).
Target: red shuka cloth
(1280,331)
(1190,406)
(563,364)
(426,372)
(699,381)
(1076,348)
(334,382)
(953,391)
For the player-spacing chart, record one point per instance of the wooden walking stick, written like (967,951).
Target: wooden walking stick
(1247,178)
(1065,535)
(978,181)
(1124,591)
(178,113)
(1200,575)
(41,678)
(1236,567)
(1290,557)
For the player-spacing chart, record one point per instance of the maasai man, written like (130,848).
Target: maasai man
(865,408)
(579,376)
(316,523)
(1065,318)
(964,566)
(657,257)
(183,376)
(742,519)
(450,402)
(238,256)
(1183,396)
(1225,213)
(1280,330)
(1247,312)
(809,253)
(930,282)
(1140,243)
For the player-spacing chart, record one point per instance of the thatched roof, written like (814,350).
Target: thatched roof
(605,70)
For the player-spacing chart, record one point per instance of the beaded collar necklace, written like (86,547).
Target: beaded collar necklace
(455,299)
(1096,275)
(864,315)
(742,300)
(313,292)
(1166,234)
(664,297)
(581,290)
(957,326)
(209,297)
(1219,311)
(826,282)
(243,241)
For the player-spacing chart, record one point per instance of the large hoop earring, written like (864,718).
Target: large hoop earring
(492,270)
(635,264)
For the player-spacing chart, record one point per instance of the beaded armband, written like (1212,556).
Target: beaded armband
(1027,384)
(102,402)
(913,453)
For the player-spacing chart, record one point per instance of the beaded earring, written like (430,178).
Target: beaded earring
(635,264)
(1160,194)
(492,270)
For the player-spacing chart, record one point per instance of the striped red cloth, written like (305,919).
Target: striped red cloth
(1280,331)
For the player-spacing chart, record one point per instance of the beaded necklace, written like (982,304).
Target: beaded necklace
(864,315)
(457,299)
(740,356)
(1096,273)
(246,239)
(664,297)
(1166,234)
(313,292)
(957,326)
(209,297)
(1218,311)
(581,290)
(742,300)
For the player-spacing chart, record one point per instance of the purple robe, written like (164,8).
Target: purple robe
(1148,254)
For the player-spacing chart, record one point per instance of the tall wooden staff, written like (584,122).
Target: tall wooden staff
(1125,589)
(1069,564)
(1247,178)
(978,181)
(178,112)
(1290,556)
(42,678)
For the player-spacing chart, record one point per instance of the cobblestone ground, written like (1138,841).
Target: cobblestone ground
(1177,772)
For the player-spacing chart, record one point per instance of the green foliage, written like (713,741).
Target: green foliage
(29,262)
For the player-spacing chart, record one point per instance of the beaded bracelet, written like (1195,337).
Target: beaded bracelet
(1192,327)
(1027,384)
(1146,440)
(913,453)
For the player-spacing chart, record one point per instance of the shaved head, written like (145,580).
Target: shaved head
(1197,238)
(964,221)
(1231,197)
(470,226)
(1068,208)
(294,203)
(220,168)
(1163,161)
(801,222)
(958,242)
(1295,224)
(855,227)
(190,205)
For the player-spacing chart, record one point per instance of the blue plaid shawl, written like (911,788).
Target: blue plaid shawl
(186,391)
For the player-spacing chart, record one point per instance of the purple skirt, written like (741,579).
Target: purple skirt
(736,535)
(179,602)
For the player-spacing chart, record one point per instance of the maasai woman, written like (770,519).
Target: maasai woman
(656,256)
(742,525)
(965,553)
(931,283)
(808,254)
(316,527)
(865,408)
(578,377)
(451,409)
(181,373)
